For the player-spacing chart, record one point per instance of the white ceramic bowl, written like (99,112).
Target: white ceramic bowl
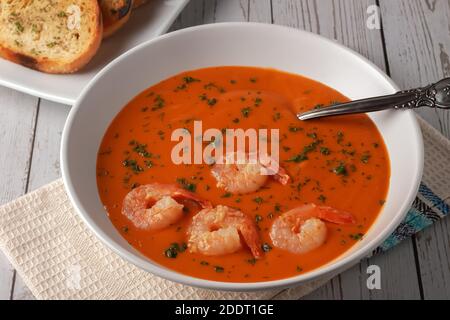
(246,44)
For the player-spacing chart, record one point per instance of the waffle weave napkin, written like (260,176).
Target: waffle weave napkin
(59,258)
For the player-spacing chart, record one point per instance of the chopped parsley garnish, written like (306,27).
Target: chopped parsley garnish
(246,112)
(322,198)
(158,103)
(356,236)
(171,253)
(294,128)
(252,261)
(189,79)
(303,156)
(212,101)
(133,165)
(325,151)
(187,185)
(174,249)
(340,137)
(141,149)
(340,170)
(148,163)
(299,158)
(348,152)
(19,27)
(219,269)
(365,157)
(258,200)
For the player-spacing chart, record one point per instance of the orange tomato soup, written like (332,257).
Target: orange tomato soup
(340,162)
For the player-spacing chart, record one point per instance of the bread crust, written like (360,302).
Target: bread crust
(55,66)
(115,15)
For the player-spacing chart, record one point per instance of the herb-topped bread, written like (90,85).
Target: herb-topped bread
(55,36)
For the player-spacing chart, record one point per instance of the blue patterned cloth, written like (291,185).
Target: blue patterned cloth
(426,209)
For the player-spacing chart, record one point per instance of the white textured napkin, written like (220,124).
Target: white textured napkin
(59,258)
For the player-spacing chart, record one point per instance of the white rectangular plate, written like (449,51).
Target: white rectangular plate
(147,22)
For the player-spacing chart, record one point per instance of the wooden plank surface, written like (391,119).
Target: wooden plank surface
(17,125)
(418,49)
(44,166)
(416,42)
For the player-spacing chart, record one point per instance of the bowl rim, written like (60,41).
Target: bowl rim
(337,266)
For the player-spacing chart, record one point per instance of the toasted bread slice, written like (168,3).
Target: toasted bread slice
(115,13)
(138,3)
(51,36)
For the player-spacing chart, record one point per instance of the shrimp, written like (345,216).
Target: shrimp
(154,206)
(302,229)
(245,177)
(217,231)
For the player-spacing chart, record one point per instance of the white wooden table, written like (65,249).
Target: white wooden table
(413,46)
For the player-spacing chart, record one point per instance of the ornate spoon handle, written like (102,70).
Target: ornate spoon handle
(433,96)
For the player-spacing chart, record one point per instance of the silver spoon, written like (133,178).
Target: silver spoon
(436,95)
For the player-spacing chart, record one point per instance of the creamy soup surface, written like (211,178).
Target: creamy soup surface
(338,162)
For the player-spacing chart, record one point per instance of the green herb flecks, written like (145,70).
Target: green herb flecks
(189,186)
(325,151)
(303,156)
(133,165)
(174,249)
(365,157)
(158,103)
(258,200)
(356,236)
(219,269)
(341,170)
(246,112)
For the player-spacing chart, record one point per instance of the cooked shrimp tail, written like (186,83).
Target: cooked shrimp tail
(302,229)
(218,231)
(246,176)
(282,176)
(251,238)
(155,206)
(182,194)
(335,216)
(324,213)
